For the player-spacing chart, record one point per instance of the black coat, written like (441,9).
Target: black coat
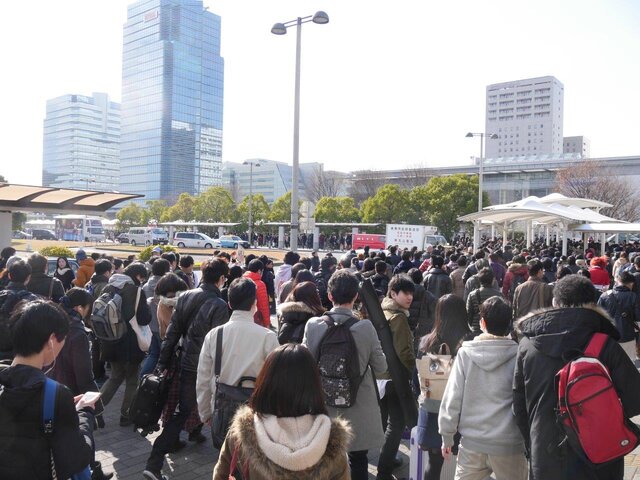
(548,336)
(292,318)
(40,284)
(66,278)
(622,305)
(380,284)
(421,314)
(73,365)
(438,282)
(24,450)
(126,349)
(197,312)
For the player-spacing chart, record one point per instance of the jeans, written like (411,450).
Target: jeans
(121,371)
(390,408)
(359,465)
(153,355)
(171,431)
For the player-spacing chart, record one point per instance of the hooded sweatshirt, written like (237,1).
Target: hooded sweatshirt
(478,398)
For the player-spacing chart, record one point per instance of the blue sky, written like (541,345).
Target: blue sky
(384,84)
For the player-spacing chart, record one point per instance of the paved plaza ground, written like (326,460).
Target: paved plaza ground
(125,452)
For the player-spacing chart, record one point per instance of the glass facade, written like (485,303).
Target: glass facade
(172,99)
(81,143)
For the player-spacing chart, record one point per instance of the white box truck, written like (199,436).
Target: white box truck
(409,236)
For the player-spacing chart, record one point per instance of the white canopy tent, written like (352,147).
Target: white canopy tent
(554,210)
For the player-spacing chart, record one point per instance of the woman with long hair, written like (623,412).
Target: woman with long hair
(302,304)
(64,273)
(451,328)
(285,432)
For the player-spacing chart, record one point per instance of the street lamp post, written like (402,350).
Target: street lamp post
(476,225)
(280,29)
(251,164)
(92,180)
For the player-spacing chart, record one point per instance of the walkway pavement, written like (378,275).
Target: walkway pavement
(125,452)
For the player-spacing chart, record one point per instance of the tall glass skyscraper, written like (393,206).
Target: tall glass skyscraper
(172,97)
(81,143)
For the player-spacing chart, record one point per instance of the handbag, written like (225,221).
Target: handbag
(143,332)
(48,408)
(227,400)
(433,371)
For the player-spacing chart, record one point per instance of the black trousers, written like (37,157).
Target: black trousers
(391,410)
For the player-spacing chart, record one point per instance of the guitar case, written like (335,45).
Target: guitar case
(399,375)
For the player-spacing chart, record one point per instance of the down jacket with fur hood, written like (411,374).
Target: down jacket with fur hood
(270,447)
(292,317)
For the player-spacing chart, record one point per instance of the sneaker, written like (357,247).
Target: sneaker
(154,475)
(197,437)
(179,445)
(125,421)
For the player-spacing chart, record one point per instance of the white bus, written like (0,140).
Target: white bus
(79,228)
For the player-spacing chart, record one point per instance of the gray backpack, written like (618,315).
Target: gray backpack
(106,319)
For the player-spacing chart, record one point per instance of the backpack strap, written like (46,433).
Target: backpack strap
(48,405)
(48,408)
(596,344)
(218,361)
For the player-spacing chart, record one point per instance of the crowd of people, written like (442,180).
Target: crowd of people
(509,318)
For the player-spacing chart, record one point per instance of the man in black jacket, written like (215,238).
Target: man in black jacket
(548,338)
(196,313)
(42,284)
(124,354)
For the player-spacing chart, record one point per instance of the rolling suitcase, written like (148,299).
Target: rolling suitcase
(147,404)
(419,460)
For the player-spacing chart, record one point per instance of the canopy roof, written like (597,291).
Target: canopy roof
(323,224)
(28,198)
(182,223)
(550,209)
(608,228)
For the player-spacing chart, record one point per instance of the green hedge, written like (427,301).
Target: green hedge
(57,252)
(145,254)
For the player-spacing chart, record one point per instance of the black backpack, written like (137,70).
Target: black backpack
(518,279)
(339,364)
(624,318)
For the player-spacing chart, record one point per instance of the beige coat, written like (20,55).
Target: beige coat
(333,465)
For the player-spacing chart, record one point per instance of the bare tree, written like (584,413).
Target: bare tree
(414,176)
(365,184)
(590,179)
(324,184)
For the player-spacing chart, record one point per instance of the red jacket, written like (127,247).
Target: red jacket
(512,271)
(262,316)
(600,277)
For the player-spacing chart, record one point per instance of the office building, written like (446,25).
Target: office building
(272,179)
(526,115)
(580,145)
(172,99)
(81,143)
(505,180)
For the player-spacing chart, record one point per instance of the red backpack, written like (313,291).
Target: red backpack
(589,410)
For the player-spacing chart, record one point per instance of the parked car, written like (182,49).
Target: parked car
(147,236)
(41,234)
(194,240)
(232,241)
(20,235)
(122,238)
(51,265)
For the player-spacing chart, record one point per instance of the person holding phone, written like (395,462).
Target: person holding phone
(73,366)
(39,330)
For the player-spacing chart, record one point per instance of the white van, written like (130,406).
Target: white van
(194,240)
(147,236)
